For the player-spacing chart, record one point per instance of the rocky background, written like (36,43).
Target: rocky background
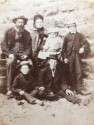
(56,13)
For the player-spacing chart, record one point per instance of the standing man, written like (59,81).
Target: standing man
(75,45)
(16,46)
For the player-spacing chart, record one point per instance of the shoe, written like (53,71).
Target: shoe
(10,96)
(41,103)
(79,102)
(52,97)
(21,102)
(83,92)
(86,102)
(33,102)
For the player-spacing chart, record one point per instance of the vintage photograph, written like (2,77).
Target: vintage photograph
(47,62)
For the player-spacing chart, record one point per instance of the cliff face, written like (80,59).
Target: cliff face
(56,13)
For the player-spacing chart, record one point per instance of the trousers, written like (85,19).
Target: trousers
(75,69)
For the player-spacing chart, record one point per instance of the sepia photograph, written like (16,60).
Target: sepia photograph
(47,62)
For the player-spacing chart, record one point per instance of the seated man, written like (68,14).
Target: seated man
(24,85)
(53,79)
(16,46)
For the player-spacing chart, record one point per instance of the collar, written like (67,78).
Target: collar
(38,30)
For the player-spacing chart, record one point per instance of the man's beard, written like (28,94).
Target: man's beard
(19,29)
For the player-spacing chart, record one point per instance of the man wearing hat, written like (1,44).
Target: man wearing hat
(16,47)
(75,45)
(24,85)
(53,78)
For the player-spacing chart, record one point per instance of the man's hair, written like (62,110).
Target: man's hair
(38,16)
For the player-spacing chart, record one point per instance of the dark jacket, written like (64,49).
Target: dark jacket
(74,44)
(25,83)
(8,43)
(38,40)
(55,84)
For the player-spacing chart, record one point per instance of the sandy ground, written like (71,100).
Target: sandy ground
(52,113)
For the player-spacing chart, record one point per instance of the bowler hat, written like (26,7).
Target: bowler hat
(71,25)
(20,17)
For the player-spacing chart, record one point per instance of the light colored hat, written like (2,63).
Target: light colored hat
(53,30)
(20,17)
(71,23)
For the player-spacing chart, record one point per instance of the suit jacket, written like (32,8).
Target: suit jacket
(38,40)
(8,42)
(21,82)
(74,44)
(55,84)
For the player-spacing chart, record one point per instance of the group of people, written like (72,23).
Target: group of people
(42,65)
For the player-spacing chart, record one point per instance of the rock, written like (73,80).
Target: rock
(48,11)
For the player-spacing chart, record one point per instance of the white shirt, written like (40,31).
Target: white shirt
(53,71)
(53,44)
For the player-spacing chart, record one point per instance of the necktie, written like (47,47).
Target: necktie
(53,72)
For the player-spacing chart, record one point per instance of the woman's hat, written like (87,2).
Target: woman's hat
(52,30)
(38,16)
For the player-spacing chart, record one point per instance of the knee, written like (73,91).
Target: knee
(9,62)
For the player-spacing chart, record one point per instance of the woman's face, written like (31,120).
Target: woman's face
(53,35)
(39,23)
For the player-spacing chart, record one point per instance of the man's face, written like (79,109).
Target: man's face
(24,69)
(53,63)
(39,23)
(20,24)
(53,35)
(72,29)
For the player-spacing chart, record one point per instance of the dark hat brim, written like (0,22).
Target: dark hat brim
(52,58)
(71,25)
(20,17)
(55,57)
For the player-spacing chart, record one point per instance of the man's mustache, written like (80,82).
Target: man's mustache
(20,27)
